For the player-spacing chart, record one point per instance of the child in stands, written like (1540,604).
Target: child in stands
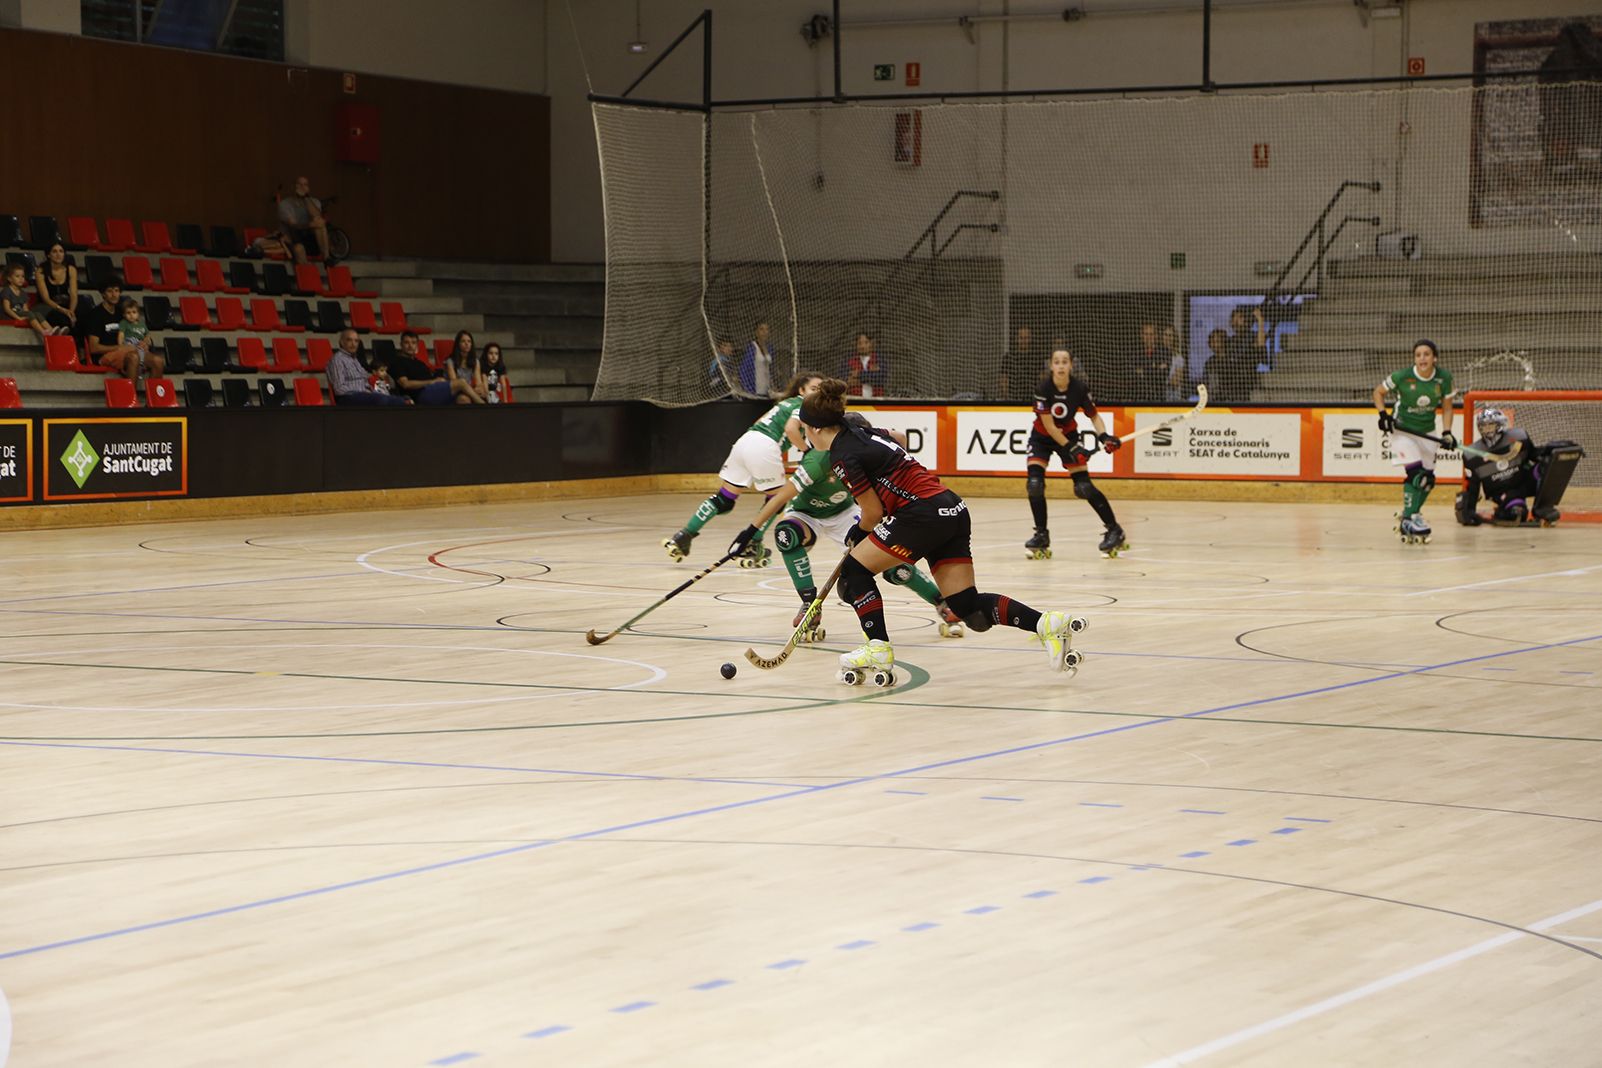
(14,302)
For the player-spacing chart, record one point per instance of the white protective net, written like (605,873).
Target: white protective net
(941,230)
(1549,417)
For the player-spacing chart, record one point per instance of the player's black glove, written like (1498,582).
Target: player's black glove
(854,535)
(1387,421)
(1109,442)
(742,541)
(1448,439)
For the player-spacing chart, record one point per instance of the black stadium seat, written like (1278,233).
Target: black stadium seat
(198,392)
(96,266)
(275,280)
(214,352)
(298,313)
(180,351)
(44,231)
(330,317)
(224,242)
(190,236)
(10,232)
(242,275)
(271,392)
(236,393)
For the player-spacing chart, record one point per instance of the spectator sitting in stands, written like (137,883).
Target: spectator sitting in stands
(1226,384)
(492,373)
(348,379)
(462,365)
(57,281)
(133,337)
(1020,368)
(1178,369)
(14,302)
(756,366)
(97,327)
(302,217)
(422,383)
(864,372)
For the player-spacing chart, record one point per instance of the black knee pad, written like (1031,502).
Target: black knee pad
(789,536)
(965,604)
(855,580)
(1082,485)
(1037,481)
(723,503)
(899,575)
(1424,479)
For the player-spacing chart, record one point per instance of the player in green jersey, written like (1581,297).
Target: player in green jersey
(816,503)
(1423,391)
(755,461)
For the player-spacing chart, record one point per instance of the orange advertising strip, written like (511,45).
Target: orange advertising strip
(16,460)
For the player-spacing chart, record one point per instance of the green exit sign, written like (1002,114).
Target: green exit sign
(884,72)
(1176,261)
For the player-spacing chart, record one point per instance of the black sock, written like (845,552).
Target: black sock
(1003,609)
(870,613)
(1037,505)
(1098,501)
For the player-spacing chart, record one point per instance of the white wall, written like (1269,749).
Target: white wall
(759,52)
(47,16)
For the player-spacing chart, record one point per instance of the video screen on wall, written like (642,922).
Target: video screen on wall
(1209,312)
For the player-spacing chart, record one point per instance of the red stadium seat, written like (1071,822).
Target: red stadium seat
(252,354)
(308,280)
(119,236)
(393,319)
(193,311)
(120,393)
(174,276)
(159,239)
(286,356)
(443,347)
(10,396)
(136,273)
(159,393)
(231,314)
(209,278)
(361,318)
(341,284)
(264,316)
(61,353)
(319,350)
(308,392)
(81,230)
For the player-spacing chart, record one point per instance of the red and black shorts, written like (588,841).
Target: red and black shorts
(937,529)
(1042,449)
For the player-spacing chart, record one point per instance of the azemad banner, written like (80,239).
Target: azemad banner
(104,458)
(996,440)
(16,460)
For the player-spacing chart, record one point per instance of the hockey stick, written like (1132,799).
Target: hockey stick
(590,636)
(767,663)
(1201,403)
(1464,448)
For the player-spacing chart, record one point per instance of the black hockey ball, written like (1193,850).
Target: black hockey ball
(727,670)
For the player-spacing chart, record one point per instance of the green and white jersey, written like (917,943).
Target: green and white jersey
(1418,399)
(819,492)
(772,424)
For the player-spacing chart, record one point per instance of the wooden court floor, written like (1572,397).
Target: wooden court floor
(352,790)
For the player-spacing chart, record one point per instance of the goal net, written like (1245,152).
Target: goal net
(964,242)
(1547,416)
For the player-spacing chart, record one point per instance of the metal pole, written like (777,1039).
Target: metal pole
(839,92)
(646,73)
(706,137)
(1207,46)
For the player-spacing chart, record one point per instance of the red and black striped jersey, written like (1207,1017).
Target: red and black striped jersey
(1061,404)
(865,459)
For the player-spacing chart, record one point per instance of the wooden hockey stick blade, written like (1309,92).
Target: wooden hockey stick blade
(768,663)
(1197,409)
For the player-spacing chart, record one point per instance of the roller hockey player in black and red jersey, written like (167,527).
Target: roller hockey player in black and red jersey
(1058,396)
(908,515)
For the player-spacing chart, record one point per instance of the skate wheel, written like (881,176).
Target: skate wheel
(1072,659)
(884,678)
(818,634)
(1046,553)
(1078,625)
(951,630)
(850,677)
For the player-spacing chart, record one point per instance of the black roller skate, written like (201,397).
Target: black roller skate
(1039,546)
(814,632)
(756,555)
(1113,542)
(678,545)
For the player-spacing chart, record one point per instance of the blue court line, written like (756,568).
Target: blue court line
(1041,893)
(1098,804)
(861,943)
(713,984)
(1193,854)
(918,927)
(1287,830)
(675,817)
(915,793)
(634,1006)
(1242,842)
(1096,879)
(982,910)
(455,1058)
(1001,799)
(785,965)
(547,1032)
(400,763)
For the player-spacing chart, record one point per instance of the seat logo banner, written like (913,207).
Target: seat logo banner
(16,461)
(111,458)
(1355,447)
(1221,443)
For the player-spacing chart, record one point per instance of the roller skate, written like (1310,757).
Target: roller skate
(951,625)
(1546,515)
(1113,543)
(756,555)
(1056,632)
(873,662)
(1413,529)
(678,545)
(814,632)
(1039,546)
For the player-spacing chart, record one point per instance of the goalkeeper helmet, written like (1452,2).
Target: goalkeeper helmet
(1490,422)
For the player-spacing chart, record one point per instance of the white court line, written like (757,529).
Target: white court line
(1498,582)
(1318,1008)
(362,559)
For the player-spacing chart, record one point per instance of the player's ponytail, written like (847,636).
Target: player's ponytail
(826,407)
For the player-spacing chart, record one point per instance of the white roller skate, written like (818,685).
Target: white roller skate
(756,555)
(814,632)
(873,662)
(1414,530)
(1056,631)
(678,545)
(951,625)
